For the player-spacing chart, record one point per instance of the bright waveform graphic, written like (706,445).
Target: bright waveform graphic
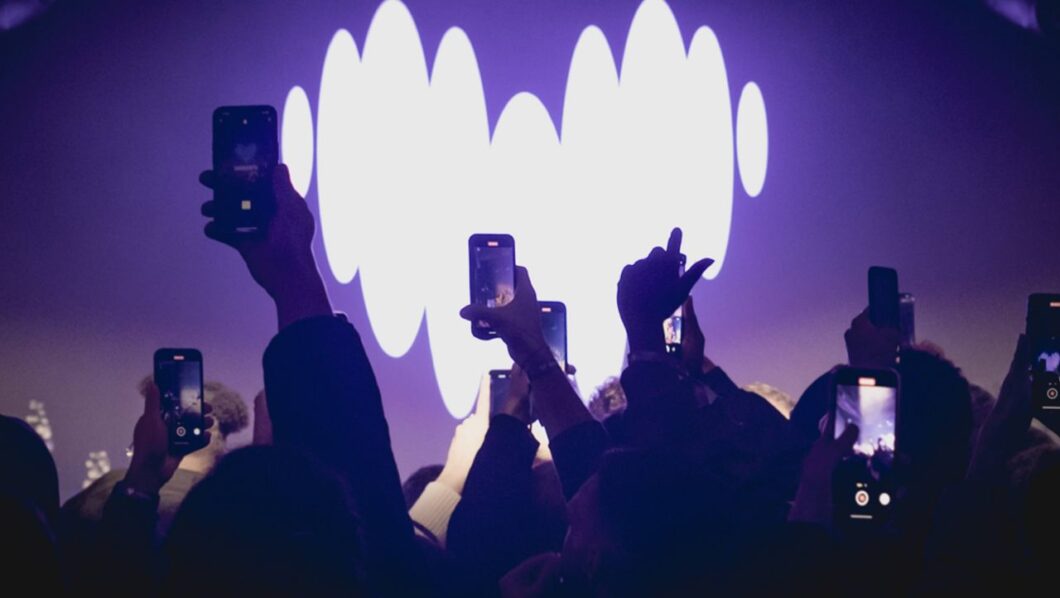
(407,169)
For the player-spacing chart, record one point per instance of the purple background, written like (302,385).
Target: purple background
(922,135)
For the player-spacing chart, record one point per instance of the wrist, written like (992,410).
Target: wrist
(302,297)
(646,339)
(452,480)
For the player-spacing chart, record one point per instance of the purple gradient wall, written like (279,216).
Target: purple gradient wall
(920,135)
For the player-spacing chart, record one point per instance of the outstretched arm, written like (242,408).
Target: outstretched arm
(321,391)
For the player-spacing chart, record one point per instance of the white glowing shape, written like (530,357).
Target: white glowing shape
(297,139)
(752,139)
(406,171)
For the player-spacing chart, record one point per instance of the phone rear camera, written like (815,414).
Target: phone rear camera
(1052,393)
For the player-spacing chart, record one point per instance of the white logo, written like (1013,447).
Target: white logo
(407,169)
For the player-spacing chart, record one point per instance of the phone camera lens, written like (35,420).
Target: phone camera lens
(1052,393)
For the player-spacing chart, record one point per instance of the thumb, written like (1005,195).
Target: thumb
(474,313)
(845,443)
(152,400)
(693,274)
(281,184)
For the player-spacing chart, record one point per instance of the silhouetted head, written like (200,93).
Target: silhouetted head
(414,485)
(27,470)
(648,523)
(29,505)
(267,520)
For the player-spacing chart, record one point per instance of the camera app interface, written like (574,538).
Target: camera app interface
(180,384)
(872,409)
(1046,367)
(554,325)
(494,275)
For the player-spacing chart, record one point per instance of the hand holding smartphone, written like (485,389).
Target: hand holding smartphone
(863,485)
(1043,333)
(245,153)
(178,375)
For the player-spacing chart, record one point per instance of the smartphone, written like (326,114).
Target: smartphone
(1043,333)
(492,265)
(907,318)
(178,375)
(500,384)
(673,327)
(863,484)
(883,297)
(554,325)
(245,154)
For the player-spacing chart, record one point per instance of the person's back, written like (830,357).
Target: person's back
(267,520)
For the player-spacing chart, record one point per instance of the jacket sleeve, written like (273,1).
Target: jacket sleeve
(323,399)
(492,529)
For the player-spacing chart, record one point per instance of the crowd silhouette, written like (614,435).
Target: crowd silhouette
(673,481)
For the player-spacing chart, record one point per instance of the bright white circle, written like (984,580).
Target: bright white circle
(752,139)
(296,142)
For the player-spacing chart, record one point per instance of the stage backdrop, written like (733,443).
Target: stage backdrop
(796,143)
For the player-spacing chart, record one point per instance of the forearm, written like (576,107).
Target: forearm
(555,403)
(491,529)
(303,297)
(323,399)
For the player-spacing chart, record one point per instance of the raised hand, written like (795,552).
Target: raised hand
(153,464)
(467,440)
(1010,419)
(518,323)
(517,403)
(869,346)
(813,500)
(280,258)
(651,289)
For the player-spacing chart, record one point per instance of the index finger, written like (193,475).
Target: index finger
(673,246)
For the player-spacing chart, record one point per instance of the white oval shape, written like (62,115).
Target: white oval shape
(337,108)
(752,139)
(296,139)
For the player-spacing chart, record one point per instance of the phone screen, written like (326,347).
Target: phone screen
(673,327)
(1046,369)
(245,153)
(500,383)
(492,275)
(554,325)
(178,375)
(873,410)
(864,481)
